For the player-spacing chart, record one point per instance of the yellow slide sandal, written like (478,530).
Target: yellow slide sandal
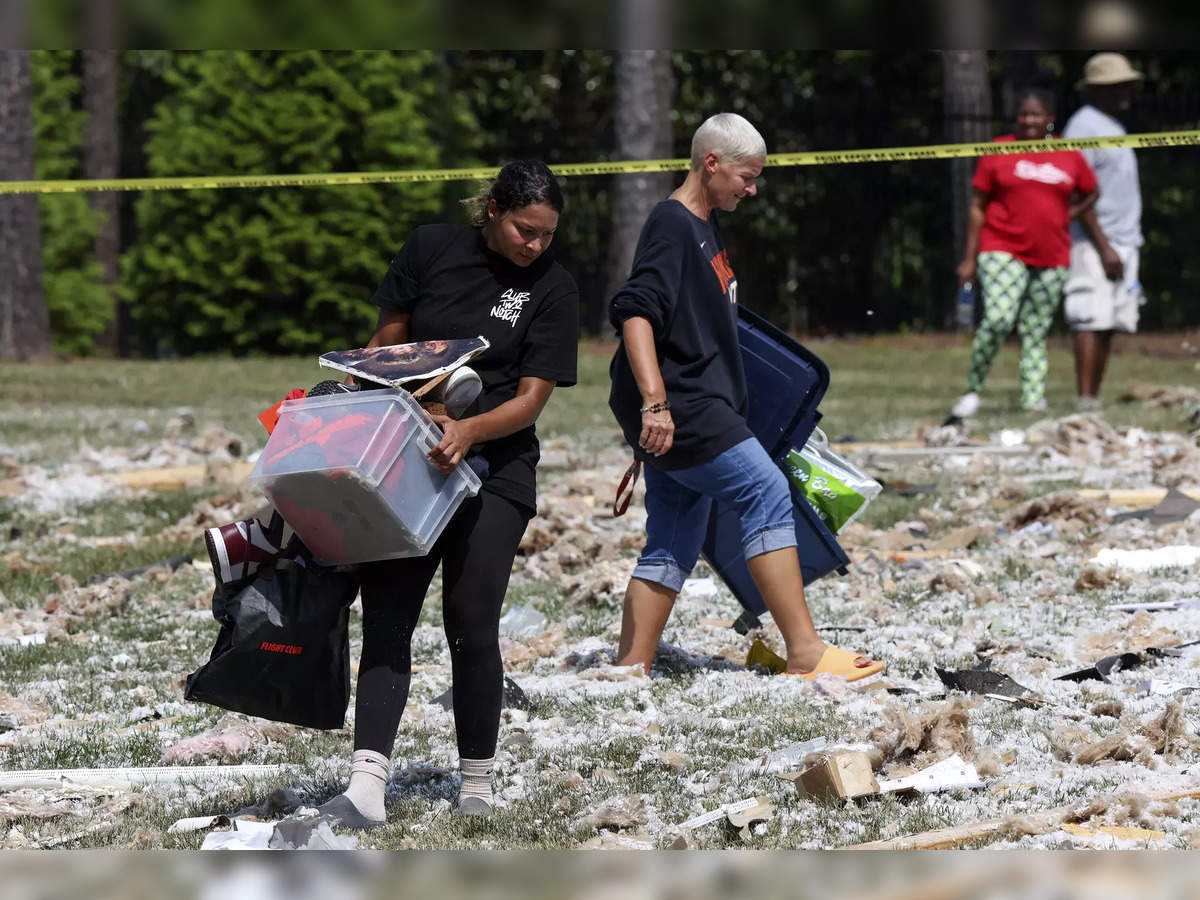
(836,661)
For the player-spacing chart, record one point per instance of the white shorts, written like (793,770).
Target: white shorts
(1095,303)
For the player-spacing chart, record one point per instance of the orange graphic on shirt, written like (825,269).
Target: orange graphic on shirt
(720,264)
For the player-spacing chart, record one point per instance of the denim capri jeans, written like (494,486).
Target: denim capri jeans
(678,504)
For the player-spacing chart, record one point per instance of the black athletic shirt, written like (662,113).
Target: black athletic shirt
(682,283)
(455,287)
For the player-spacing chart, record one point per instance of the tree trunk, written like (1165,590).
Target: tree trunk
(101,150)
(24,318)
(642,121)
(967,100)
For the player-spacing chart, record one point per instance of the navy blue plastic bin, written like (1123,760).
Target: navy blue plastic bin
(785,382)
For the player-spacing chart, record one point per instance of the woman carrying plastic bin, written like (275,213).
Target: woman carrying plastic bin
(452,281)
(679,394)
(1018,246)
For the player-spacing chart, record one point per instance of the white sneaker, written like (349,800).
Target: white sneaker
(1088,404)
(966,405)
(1040,406)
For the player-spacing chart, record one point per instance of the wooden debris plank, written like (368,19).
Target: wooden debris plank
(915,453)
(174,478)
(170,478)
(49,779)
(1117,831)
(1039,823)
(842,446)
(1134,497)
(924,554)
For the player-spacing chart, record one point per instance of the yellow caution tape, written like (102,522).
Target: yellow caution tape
(615,167)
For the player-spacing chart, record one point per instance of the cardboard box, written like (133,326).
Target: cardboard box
(841,775)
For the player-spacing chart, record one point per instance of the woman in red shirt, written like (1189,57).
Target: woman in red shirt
(1019,247)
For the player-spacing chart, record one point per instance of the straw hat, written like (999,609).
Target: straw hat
(1108,68)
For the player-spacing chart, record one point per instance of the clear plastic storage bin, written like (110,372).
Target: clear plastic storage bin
(349,473)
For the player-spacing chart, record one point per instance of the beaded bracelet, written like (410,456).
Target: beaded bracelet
(660,406)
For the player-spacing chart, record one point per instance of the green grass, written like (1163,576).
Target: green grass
(879,389)
(882,388)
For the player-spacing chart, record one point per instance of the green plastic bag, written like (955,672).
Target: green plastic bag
(834,487)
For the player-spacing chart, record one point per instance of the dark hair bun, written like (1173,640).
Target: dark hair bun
(521,183)
(525,182)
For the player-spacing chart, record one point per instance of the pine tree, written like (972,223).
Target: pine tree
(102,153)
(283,269)
(80,307)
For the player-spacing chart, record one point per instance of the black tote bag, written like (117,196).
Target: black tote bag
(283,652)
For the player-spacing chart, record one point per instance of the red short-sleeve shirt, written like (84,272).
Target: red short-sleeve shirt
(1029,197)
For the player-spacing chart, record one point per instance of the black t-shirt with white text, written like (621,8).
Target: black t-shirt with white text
(682,283)
(455,287)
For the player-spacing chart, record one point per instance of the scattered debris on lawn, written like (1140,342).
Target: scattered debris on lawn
(1175,506)
(245,834)
(721,812)
(198,823)
(743,822)
(512,698)
(981,680)
(178,460)
(232,737)
(308,832)
(1159,687)
(762,656)
(1067,547)
(522,621)
(912,740)
(1105,667)
(1160,395)
(617,814)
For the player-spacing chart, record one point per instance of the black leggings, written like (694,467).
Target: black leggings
(476,553)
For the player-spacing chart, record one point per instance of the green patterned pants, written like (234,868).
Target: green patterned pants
(1027,296)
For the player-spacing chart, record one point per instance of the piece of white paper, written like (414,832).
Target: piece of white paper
(951,774)
(24,640)
(719,813)
(1147,560)
(1160,687)
(246,836)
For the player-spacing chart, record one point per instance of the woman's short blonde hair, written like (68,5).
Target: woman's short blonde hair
(728,135)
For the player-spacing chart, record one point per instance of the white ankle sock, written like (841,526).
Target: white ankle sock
(369,775)
(476,779)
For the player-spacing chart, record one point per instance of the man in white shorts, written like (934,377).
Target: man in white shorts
(1103,292)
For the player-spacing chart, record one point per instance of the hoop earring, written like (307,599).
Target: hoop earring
(1049,127)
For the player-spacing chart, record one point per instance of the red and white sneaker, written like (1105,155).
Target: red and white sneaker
(238,549)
